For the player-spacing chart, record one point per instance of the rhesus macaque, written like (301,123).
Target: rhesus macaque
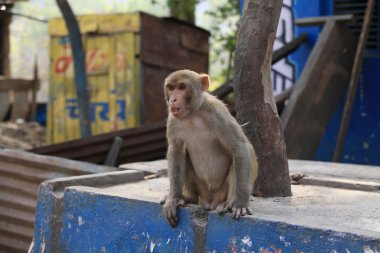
(211,161)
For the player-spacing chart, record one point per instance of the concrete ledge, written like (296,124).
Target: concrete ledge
(257,235)
(347,176)
(116,224)
(98,217)
(49,210)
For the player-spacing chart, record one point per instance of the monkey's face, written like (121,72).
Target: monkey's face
(183,92)
(178,99)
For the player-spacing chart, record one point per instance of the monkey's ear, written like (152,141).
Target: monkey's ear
(205,81)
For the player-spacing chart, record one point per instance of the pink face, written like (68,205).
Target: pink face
(178,96)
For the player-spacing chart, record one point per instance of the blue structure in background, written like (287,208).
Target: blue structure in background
(362,145)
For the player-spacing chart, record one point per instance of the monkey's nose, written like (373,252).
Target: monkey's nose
(174,100)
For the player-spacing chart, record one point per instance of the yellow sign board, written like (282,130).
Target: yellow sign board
(112,76)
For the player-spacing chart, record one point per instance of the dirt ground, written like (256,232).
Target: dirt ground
(21,135)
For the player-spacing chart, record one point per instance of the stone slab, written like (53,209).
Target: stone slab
(153,167)
(76,216)
(347,176)
(342,210)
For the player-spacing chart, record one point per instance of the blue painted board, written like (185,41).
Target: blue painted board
(101,223)
(362,144)
(253,235)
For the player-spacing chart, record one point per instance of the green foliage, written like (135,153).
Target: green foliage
(225,15)
(224,34)
(183,9)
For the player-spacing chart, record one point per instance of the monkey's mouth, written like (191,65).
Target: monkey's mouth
(175,110)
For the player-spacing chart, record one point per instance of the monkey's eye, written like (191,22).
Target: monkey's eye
(182,86)
(170,87)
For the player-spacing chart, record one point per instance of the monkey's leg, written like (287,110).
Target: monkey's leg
(229,205)
(225,207)
(254,169)
(190,192)
(176,172)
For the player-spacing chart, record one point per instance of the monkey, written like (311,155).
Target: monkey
(210,160)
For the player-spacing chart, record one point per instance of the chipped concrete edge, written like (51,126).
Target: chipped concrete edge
(49,209)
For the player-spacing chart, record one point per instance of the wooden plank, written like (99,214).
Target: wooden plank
(288,48)
(58,89)
(283,96)
(98,48)
(8,84)
(317,21)
(35,87)
(20,107)
(4,105)
(19,89)
(113,152)
(158,61)
(190,41)
(165,43)
(227,87)
(354,80)
(126,112)
(317,92)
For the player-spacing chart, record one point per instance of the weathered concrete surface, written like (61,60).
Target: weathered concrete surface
(347,176)
(155,167)
(338,170)
(314,206)
(127,218)
(49,210)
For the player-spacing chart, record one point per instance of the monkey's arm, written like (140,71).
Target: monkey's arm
(242,165)
(177,163)
(233,139)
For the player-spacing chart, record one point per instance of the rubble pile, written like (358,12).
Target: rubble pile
(21,135)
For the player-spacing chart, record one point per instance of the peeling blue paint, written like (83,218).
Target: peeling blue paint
(81,220)
(254,235)
(101,223)
(44,218)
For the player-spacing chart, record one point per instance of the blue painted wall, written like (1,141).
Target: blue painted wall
(362,144)
(253,235)
(81,220)
(136,226)
(303,9)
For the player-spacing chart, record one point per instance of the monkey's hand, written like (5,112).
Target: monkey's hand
(238,209)
(170,209)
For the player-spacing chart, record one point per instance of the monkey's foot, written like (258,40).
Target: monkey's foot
(170,209)
(237,210)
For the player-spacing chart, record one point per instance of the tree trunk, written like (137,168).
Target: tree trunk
(255,104)
(183,9)
(79,67)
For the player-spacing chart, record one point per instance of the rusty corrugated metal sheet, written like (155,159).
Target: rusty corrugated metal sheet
(143,143)
(20,174)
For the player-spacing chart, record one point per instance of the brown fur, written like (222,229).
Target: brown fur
(211,161)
